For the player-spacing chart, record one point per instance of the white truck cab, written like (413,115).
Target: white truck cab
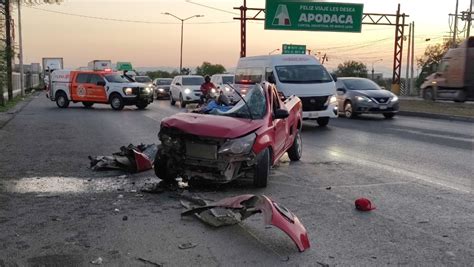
(300,75)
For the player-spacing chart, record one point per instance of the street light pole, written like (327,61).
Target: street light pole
(22,88)
(373,67)
(182,29)
(278,49)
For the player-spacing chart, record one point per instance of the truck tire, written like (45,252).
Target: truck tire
(262,169)
(160,166)
(323,121)
(172,101)
(141,106)
(116,102)
(182,103)
(61,100)
(428,94)
(348,112)
(88,104)
(296,150)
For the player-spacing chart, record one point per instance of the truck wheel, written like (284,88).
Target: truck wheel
(262,169)
(141,106)
(389,115)
(172,101)
(87,104)
(428,94)
(323,121)
(181,101)
(348,112)
(296,150)
(61,100)
(116,102)
(161,169)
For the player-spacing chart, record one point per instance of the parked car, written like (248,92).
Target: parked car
(186,89)
(360,95)
(244,141)
(221,81)
(162,87)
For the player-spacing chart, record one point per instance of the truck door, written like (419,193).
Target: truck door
(279,125)
(78,87)
(96,91)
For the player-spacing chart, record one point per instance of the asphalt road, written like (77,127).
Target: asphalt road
(54,210)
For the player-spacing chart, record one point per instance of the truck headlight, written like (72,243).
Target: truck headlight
(161,89)
(241,145)
(147,90)
(394,98)
(187,91)
(127,91)
(363,99)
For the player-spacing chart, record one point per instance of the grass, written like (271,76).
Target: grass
(443,108)
(10,104)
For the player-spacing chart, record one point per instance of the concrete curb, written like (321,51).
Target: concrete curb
(435,116)
(7,116)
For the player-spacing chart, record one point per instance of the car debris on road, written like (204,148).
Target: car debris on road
(131,159)
(232,210)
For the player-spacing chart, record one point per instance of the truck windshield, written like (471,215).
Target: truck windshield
(256,102)
(143,79)
(193,80)
(303,74)
(116,78)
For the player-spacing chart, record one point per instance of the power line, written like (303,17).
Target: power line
(211,7)
(124,20)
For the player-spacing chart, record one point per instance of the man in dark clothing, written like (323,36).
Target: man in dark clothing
(206,88)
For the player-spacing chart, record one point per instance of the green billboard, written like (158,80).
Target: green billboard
(313,16)
(293,49)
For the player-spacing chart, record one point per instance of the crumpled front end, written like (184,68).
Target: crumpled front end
(196,157)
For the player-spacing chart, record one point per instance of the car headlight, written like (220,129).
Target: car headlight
(394,98)
(213,91)
(332,100)
(227,89)
(169,141)
(363,99)
(147,90)
(127,91)
(187,91)
(161,89)
(241,145)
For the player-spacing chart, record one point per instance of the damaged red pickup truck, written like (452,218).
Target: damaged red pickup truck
(244,141)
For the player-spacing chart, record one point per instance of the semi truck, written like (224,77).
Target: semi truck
(454,79)
(97,65)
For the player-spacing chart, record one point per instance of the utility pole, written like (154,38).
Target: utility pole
(22,87)
(455,30)
(412,81)
(407,84)
(8,48)
(469,19)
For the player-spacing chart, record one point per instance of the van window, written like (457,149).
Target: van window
(302,74)
(248,75)
(193,80)
(82,78)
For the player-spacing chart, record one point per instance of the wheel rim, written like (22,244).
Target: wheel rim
(116,102)
(348,110)
(299,147)
(61,101)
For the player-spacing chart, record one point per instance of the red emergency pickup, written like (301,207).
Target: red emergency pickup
(244,141)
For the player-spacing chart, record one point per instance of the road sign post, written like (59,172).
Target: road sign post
(293,49)
(313,16)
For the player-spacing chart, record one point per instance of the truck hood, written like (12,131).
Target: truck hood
(307,89)
(135,84)
(211,125)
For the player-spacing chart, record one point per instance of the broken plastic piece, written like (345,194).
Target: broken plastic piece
(244,206)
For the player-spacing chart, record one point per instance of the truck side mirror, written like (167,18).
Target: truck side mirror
(271,78)
(100,83)
(281,114)
(178,84)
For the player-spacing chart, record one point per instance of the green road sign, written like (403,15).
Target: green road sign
(121,66)
(313,16)
(293,49)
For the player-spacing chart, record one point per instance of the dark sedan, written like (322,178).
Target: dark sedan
(360,95)
(162,87)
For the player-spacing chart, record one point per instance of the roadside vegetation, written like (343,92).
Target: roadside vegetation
(442,108)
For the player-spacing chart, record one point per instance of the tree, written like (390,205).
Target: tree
(351,68)
(207,68)
(430,60)
(161,74)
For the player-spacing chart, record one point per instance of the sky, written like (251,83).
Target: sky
(215,37)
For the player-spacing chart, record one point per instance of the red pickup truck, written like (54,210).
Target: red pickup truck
(244,141)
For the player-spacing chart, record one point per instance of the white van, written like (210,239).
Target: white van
(300,75)
(221,81)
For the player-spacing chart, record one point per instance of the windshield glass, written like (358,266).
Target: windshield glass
(143,79)
(303,74)
(164,81)
(193,80)
(360,84)
(115,78)
(227,79)
(255,100)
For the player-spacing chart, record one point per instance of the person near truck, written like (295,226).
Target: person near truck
(206,88)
